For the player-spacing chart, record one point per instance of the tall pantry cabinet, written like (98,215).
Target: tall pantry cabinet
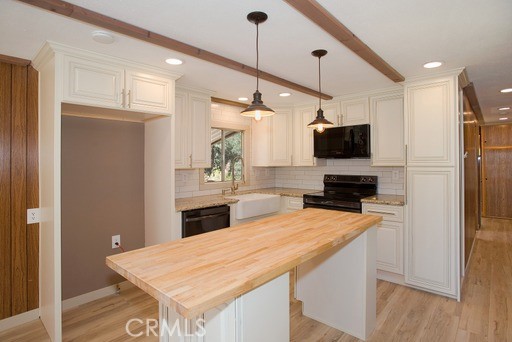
(432,234)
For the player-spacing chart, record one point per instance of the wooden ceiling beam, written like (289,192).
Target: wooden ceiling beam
(324,19)
(470,92)
(109,23)
(14,60)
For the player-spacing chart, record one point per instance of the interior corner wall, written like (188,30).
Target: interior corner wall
(102,196)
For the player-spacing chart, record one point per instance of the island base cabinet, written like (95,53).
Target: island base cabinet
(339,287)
(262,314)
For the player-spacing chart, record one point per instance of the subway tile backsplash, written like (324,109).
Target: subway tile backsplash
(310,177)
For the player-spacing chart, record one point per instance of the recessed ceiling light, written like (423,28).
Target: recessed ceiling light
(504,108)
(173,61)
(103,37)
(503,119)
(285,94)
(431,65)
(243,99)
(506,90)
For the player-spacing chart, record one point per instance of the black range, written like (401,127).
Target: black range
(342,192)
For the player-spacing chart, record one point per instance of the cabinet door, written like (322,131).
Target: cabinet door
(332,113)
(149,93)
(303,136)
(182,132)
(93,83)
(200,130)
(389,247)
(430,115)
(281,138)
(432,233)
(387,131)
(355,112)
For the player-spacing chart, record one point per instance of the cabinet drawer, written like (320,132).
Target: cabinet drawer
(294,203)
(388,212)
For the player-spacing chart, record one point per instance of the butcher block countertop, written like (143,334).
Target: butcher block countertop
(196,274)
(190,203)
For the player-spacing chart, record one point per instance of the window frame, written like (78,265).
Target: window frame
(246,153)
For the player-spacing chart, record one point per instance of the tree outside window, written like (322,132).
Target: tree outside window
(226,146)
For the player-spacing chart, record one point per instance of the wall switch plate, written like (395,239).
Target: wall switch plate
(33,215)
(116,238)
(396,175)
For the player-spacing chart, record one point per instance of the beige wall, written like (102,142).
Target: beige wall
(102,195)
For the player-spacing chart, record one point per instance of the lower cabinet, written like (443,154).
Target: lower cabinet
(432,234)
(389,236)
(290,204)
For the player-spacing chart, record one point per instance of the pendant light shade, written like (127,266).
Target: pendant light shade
(257,108)
(320,123)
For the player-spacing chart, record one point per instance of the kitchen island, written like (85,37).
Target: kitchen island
(232,284)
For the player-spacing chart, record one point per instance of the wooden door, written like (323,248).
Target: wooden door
(200,126)
(19,190)
(355,112)
(281,138)
(149,93)
(497,171)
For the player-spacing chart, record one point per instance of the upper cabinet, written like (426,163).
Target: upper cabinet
(303,137)
(355,112)
(193,129)
(332,112)
(431,122)
(272,139)
(387,130)
(95,82)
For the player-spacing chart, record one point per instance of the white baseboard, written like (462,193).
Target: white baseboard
(22,318)
(91,296)
(391,277)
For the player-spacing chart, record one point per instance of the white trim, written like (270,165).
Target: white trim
(391,277)
(20,319)
(92,296)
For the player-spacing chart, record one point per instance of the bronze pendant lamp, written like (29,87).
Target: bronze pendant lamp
(257,108)
(320,123)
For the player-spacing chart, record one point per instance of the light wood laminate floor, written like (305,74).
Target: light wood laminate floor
(403,314)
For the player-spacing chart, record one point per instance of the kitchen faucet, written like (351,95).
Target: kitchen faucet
(234,187)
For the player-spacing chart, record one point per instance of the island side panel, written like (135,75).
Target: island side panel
(339,287)
(262,314)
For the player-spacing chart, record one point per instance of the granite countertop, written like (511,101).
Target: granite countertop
(199,202)
(385,199)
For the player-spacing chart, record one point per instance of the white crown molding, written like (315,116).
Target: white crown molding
(193,89)
(433,76)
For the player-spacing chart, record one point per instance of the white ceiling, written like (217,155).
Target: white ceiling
(462,33)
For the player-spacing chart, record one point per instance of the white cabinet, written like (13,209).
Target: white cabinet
(355,112)
(431,122)
(290,204)
(193,130)
(431,237)
(332,112)
(303,137)
(271,139)
(389,236)
(102,84)
(387,130)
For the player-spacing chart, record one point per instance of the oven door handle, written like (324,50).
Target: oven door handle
(200,218)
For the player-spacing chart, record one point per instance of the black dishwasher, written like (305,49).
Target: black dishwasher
(199,221)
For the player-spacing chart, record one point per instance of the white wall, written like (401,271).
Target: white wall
(311,177)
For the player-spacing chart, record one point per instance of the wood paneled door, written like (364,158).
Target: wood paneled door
(19,189)
(496,171)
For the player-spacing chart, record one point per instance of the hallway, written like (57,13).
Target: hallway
(403,314)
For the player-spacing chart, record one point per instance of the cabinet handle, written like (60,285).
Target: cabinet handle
(338,117)
(379,212)
(129,98)
(122,98)
(190,161)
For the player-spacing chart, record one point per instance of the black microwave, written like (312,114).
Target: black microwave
(343,142)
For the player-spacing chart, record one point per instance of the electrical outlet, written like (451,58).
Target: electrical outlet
(116,238)
(33,215)
(395,175)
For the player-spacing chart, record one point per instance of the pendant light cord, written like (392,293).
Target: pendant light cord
(257,58)
(319,85)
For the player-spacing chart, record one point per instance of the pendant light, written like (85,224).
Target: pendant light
(257,109)
(320,123)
